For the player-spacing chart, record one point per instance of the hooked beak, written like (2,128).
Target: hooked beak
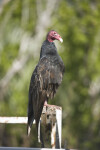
(57,37)
(61,40)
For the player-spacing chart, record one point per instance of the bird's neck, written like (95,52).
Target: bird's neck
(49,39)
(48,49)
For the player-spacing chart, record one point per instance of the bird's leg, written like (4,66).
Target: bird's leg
(53,106)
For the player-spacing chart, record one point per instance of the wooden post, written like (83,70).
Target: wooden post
(53,135)
(58,127)
(53,115)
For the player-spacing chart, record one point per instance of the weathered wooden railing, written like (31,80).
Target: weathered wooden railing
(50,115)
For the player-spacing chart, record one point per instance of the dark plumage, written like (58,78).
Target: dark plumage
(45,79)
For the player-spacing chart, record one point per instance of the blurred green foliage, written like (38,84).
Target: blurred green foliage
(78,22)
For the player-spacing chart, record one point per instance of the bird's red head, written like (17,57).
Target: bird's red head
(53,35)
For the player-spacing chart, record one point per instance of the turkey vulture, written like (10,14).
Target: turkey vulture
(45,79)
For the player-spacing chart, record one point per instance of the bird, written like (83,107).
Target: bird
(45,80)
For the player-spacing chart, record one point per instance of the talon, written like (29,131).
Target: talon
(45,103)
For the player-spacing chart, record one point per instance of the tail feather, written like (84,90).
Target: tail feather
(38,125)
(29,124)
(28,130)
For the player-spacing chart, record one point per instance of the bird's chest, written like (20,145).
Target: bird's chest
(55,63)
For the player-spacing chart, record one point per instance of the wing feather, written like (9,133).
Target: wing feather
(45,81)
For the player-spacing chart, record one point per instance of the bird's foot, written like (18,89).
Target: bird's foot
(45,103)
(51,106)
